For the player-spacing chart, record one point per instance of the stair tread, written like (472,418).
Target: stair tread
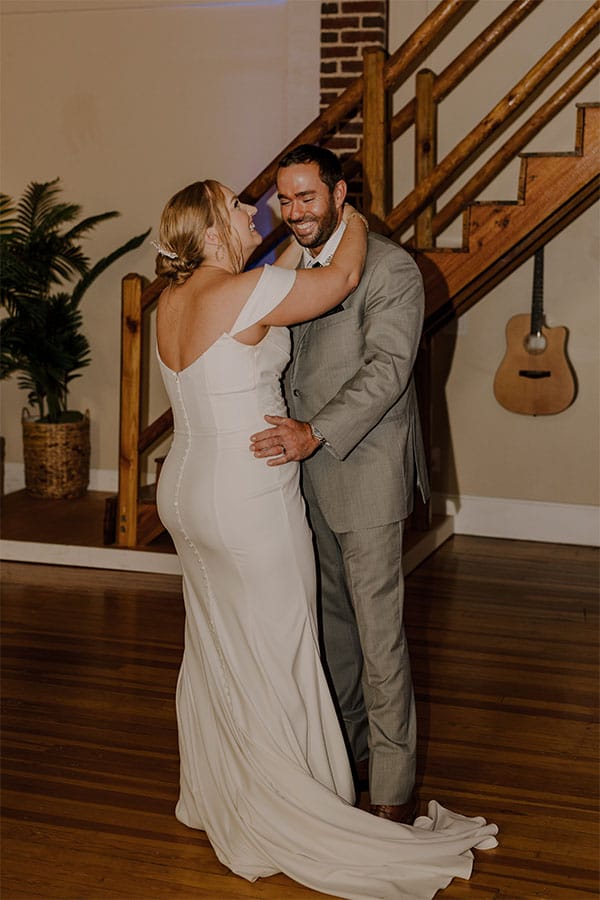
(553,187)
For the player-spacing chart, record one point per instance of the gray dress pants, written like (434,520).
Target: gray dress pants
(361,607)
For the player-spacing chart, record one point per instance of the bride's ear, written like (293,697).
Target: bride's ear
(211,237)
(339,193)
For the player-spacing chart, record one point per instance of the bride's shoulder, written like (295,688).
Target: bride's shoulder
(246,282)
(229,286)
(247,286)
(266,279)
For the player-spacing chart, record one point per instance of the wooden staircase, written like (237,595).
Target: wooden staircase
(497,237)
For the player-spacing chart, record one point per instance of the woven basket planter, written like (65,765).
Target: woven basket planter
(57,458)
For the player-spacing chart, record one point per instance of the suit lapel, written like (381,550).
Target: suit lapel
(299,330)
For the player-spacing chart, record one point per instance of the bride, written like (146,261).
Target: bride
(264,769)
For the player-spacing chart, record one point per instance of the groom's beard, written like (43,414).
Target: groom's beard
(325,225)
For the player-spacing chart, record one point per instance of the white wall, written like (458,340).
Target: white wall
(127,101)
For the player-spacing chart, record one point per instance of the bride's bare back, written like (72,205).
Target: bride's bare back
(191,317)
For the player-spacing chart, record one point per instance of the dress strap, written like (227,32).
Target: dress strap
(272,287)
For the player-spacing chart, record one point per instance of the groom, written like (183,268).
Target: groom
(355,421)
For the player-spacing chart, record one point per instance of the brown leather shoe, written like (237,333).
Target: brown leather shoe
(404,813)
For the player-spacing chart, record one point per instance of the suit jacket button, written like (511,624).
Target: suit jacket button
(296,392)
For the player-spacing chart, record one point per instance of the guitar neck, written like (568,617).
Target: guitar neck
(537,299)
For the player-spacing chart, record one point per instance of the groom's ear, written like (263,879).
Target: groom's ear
(339,193)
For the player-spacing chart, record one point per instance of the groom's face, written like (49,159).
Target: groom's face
(308,207)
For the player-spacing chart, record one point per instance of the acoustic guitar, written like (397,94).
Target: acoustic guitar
(535,377)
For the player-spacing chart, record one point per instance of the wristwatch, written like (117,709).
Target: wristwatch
(317,434)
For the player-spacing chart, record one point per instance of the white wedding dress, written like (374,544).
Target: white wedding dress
(264,770)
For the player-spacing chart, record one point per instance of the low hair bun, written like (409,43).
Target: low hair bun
(176,270)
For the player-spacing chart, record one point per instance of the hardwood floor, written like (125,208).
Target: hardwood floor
(504,643)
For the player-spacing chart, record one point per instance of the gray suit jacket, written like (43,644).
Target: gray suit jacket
(351,377)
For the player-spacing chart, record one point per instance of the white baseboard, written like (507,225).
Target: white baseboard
(522,520)
(14,477)
(90,557)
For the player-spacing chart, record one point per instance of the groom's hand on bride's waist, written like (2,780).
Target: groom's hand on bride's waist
(288,440)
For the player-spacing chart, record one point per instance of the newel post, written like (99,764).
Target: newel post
(425,152)
(129,428)
(377,172)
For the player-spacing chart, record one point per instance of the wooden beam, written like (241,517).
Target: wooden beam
(430,32)
(131,366)
(376,158)
(425,152)
(468,60)
(504,111)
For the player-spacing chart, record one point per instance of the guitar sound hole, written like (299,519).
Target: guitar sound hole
(535,343)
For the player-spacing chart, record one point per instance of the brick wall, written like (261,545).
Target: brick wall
(347,27)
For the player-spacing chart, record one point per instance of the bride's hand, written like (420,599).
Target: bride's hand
(349,212)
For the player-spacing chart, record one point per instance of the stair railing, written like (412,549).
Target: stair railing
(504,112)
(398,68)
(515,143)
(373,90)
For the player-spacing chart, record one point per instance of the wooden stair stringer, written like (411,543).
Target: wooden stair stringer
(554,189)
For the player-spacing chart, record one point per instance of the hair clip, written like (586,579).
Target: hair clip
(162,252)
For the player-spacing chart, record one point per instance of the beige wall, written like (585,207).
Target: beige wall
(481,449)
(127,100)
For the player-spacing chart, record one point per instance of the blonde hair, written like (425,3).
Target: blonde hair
(182,232)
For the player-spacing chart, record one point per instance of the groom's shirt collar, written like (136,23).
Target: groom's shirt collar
(324,257)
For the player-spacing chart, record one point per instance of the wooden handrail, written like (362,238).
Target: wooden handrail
(475,53)
(399,65)
(504,111)
(421,42)
(515,144)
(424,40)
(155,430)
(152,292)
(468,60)
(437,24)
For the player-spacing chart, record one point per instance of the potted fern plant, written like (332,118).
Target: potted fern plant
(44,276)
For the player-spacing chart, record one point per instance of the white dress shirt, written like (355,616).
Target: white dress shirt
(324,257)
